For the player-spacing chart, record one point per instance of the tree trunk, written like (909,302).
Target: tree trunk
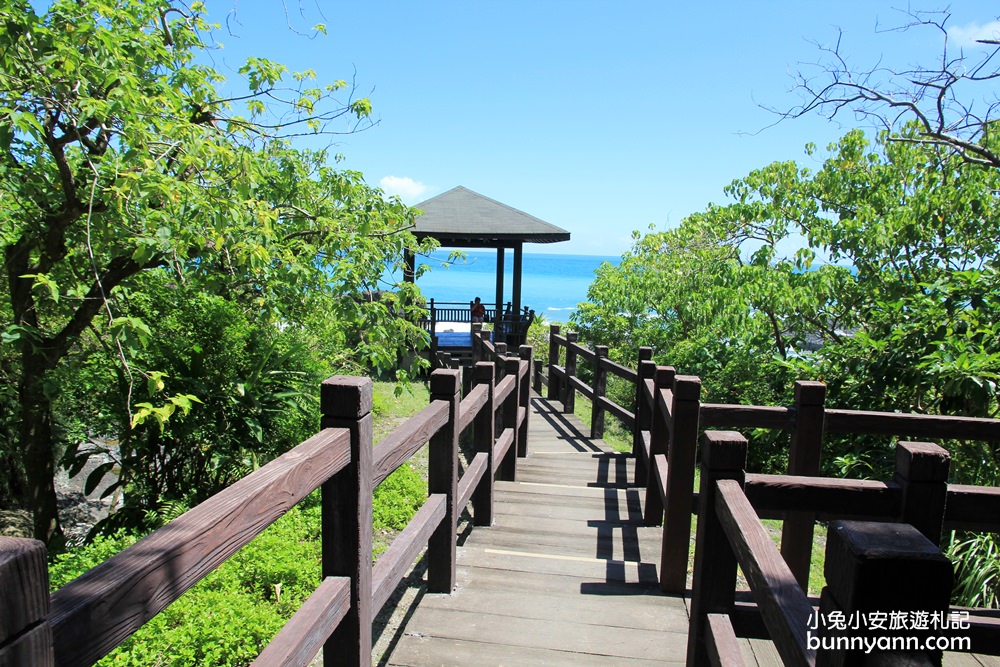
(39,457)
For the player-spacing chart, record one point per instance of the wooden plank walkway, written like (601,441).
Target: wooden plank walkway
(567,575)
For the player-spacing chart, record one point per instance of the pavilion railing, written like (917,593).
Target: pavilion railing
(507,325)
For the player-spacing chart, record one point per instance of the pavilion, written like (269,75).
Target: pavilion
(461,218)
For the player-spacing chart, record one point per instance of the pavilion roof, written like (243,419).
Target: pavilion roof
(463,218)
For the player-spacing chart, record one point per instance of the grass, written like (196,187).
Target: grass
(393,406)
(616,436)
(398,498)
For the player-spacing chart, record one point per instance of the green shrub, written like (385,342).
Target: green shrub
(228,617)
(231,615)
(397,499)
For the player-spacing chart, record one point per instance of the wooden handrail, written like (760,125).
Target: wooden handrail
(917,495)
(505,387)
(912,425)
(396,448)
(972,508)
(624,372)
(470,480)
(302,637)
(625,416)
(471,405)
(94,613)
(771,495)
(783,604)
(723,647)
(746,416)
(502,447)
(807,420)
(392,565)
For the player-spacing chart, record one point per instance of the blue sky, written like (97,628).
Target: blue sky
(600,117)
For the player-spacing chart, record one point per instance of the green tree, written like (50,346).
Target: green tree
(119,155)
(904,320)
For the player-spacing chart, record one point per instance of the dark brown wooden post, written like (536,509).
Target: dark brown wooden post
(442,477)
(803,459)
(524,399)
(723,456)
(536,375)
(643,415)
(501,352)
(681,463)
(568,391)
(346,402)
(659,440)
(600,389)
(554,389)
(922,472)
(25,633)
(885,568)
(485,430)
(477,342)
(508,466)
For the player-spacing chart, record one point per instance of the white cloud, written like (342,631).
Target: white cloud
(968,35)
(409,190)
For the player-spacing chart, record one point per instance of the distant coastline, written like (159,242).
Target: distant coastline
(552,285)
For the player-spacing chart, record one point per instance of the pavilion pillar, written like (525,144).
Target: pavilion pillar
(516,288)
(501,255)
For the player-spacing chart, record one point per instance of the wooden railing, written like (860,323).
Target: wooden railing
(563,382)
(667,417)
(507,325)
(889,561)
(87,618)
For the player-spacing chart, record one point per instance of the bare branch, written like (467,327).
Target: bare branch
(937,98)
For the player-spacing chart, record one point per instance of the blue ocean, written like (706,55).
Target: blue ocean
(551,285)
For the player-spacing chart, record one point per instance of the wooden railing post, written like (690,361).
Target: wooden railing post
(643,415)
(501,368)
(884,568)
(485,435)
(25,633)
(508,467)
(477,342)
(600,389)
(922,473)
(524,399)
(554,389)
(723,456)
(681,462)
(346,402)
(442,477)
(659,441)
(803,459)
(568,392)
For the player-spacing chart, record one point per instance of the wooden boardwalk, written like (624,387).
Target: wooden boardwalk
(567,575)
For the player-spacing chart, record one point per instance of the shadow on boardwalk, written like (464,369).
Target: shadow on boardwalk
(567,575)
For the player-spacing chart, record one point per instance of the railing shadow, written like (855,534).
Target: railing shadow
(386,619)
(552,414)
(622,515)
